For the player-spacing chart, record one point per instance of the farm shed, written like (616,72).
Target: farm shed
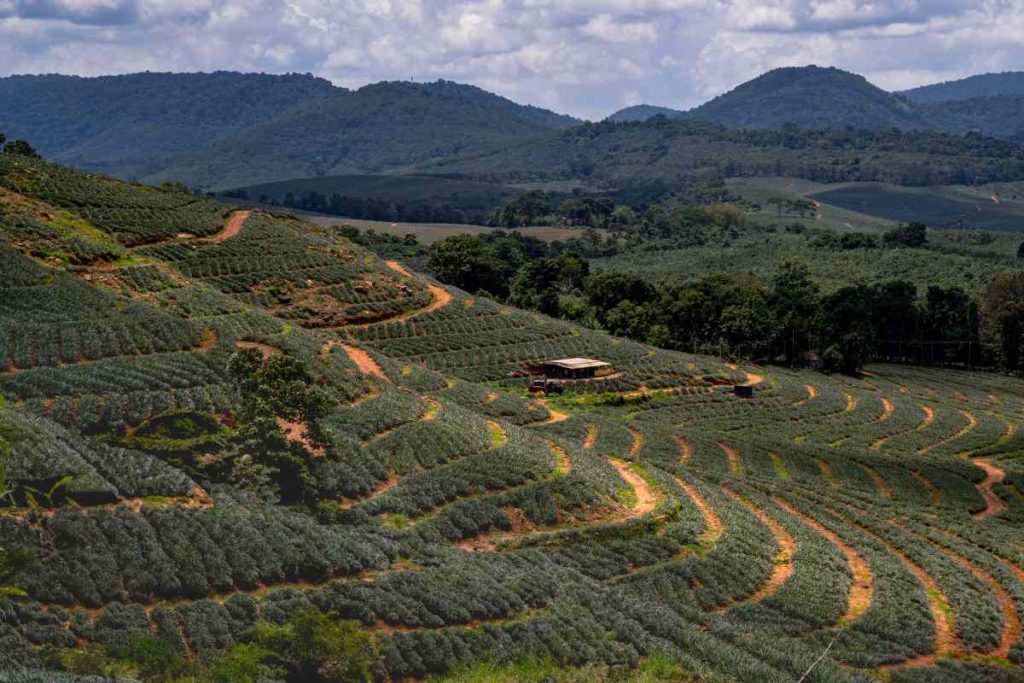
(575,368)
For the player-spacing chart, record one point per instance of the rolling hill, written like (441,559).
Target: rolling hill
(187,127)
(132,125)
(235,439)
(383,127)
(982,85)
(819,99)
(668,153)
(811,97)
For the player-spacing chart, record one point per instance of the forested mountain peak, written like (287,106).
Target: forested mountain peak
(811,97)
(471,93)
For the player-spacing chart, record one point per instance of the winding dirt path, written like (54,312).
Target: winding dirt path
(782,566)
(929,416)
(685,449)
(887,409)
(972,422)
(441,296)
(364,361)
(862,586)
(1011,628)
(232,227)
(946,642)
(933,490)
(591,439)
(829,474)
(713,526)
(554,416)
(884,490)
(812,393)
(995,475)
(638,442)
(735,462)
(646,498)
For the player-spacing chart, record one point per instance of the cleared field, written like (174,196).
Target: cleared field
(946,207)
(759,190)
(428,233)
(876,206)
(970,266)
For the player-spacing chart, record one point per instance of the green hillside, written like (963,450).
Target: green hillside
(661,151)
(981,85)
(138,125)
(381,127)
(816,98)
(810,97)
(132,125)
(874,206)
(238,445)
(387,197)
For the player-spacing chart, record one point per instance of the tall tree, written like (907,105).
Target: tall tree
(1002,318)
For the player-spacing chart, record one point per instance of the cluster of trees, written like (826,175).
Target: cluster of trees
(791,321)
(310,646)
(787,320)
(260,457)
(374,208)
(910,235)
(507,266)
(19,147)
(538,208)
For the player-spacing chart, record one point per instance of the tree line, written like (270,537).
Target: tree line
(787,320)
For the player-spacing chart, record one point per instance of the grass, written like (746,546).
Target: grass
(649,670)
(428,233)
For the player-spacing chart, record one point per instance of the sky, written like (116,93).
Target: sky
(583,57)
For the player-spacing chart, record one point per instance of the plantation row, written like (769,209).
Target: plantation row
(446,511)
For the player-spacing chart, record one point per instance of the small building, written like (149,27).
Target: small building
(743,391)
(575,368)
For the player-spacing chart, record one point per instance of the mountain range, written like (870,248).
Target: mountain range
(819,98)
(225,130)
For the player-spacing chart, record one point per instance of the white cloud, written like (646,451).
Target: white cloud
(586,57)
(604,27)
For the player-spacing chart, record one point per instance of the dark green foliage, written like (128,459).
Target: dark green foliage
(380,127)
(129,125)
(405,198)
(912,235)
(321,647)
(19,148)
(261,458)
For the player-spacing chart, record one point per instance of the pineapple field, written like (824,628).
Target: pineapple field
(827,529)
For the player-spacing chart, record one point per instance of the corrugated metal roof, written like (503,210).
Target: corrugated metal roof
(577,363)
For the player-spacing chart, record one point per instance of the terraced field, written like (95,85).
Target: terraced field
(829,529)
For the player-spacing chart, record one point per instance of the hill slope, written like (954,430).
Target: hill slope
(444,512)
(131,125)
(449,518)
(811,97)
(137,125)
(642,112)
(816,98)
(381,127)
(982,85)
(667,152)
